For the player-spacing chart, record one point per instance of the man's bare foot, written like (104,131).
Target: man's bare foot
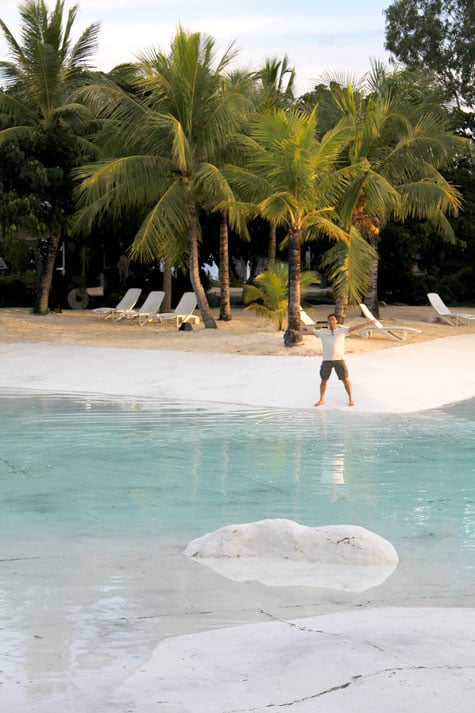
(319,403)
(351,403)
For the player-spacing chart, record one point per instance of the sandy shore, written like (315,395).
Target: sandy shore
(244,334)
(244,361)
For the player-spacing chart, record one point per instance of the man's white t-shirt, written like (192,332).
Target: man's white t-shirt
(333,343)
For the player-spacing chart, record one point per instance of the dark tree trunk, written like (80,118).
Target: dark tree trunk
(46,279)
(225,293)
(371,297)
(341,309)
(167,288)
(194,267)
(293,334)
(272,251)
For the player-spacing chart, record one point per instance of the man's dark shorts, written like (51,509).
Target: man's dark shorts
(339,366)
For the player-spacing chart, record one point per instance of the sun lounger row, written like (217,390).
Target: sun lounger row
(150,309)
(396,332)
(183,312)
(400,332)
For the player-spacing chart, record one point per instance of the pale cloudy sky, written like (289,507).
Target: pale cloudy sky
(317,37)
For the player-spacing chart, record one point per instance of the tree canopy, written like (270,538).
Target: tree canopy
(37,111)
(439,36)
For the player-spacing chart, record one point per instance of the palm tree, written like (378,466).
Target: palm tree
(348,268)
(46,67)
(164,149)
(268,296)
(277,84)
(398,145)
(242,82)
(293,180)
(276,91)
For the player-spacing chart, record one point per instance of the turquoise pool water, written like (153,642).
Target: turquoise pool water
(98,499)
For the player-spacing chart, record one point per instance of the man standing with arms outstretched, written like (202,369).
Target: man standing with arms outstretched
(333,343)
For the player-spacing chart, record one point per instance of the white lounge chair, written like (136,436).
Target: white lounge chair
(127,302)
(151,306)
(396,331)
(305,318)
(445,314)
(183,312)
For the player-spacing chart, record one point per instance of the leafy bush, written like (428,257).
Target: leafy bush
(268,296)
(18,290)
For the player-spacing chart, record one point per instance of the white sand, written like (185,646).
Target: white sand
(402,379)
(396,660)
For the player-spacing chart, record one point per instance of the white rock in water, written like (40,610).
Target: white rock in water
(280,552)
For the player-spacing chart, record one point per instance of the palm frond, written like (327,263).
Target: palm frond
(15,49)
(268,297)
(246,184)
(163,233)
(321,223)
(15,109)
(86,45)
(108,185)
(348,267)
(42,75)
(15,132)
(429,199)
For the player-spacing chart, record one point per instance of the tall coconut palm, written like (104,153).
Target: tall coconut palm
(242,82)
(276,84)
(46,66)
(164,148)
(293,180)
(394,157)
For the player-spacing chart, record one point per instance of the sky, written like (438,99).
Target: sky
(318,37)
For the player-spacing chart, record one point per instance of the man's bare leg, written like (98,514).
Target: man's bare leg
(323,389)
(347,385)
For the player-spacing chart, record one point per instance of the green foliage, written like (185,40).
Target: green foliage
(348,267)
(16,252)
(35,182)
(161,143)
(438,35)
(17,290)
(401,140)
(276,88)
(416,260)
(291,179)
(163,146)
(46,66)
(38,105)
(268,296)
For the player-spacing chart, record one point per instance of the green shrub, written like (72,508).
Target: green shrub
(268,296)
(18,290)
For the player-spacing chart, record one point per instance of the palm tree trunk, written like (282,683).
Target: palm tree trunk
(341,308)
(47,270)
(225,293)
(371,297)
(293,334)
(167,287)
(272,250)
(193,261)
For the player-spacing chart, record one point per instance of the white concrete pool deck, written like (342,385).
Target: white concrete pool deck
(364,661)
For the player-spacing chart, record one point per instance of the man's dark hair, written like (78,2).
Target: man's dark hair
(332,315)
